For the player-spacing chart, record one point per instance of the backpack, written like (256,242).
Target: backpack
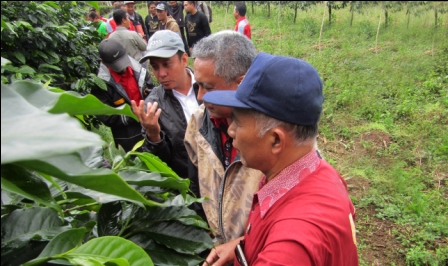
(201,7)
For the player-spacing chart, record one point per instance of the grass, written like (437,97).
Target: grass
(384,125)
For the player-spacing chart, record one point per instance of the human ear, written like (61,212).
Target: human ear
(278,140)
(184,59)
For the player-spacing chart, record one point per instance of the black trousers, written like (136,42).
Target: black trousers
(182,33)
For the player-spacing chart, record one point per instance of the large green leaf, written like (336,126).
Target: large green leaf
(94,4)
(171,213)
(25,183)
(95,260)
(163,256)
(180,200)
(71,168)
(110,220)
(67,102)
(154,163)
(180,237)
(29,133)
(24,221)
(4,60)
(64,242)
(114,247)
(95,195)
(22,226)
(141,178)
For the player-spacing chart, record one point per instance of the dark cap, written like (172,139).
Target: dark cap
(113,55)
(285,88)
(163,44)
(161,6)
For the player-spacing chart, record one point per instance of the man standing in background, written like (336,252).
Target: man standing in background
(197,24)
(166,22)
(242,24)
(177,12)
(131,40)
(111,25)
(151,20)
(136,19)
(202,6)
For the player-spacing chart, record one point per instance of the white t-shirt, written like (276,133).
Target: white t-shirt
(188,102)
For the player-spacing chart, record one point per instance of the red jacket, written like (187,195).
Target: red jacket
(310,224)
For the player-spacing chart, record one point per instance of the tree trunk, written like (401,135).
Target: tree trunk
(386,18)
(329,13)
(351,18)
(435,17)
(228,4)
(252,2)
(295,11)
(409,19)
(269,9)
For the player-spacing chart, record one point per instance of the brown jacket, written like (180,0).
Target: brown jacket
(171,25)
(230,190)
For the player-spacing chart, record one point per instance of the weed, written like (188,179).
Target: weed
(399,91)
(367,29)
(310,26)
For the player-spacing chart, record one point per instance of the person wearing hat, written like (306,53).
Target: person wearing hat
(136,19)
(126,80)
(166,22)
(166,111)
(221,61)
(302,213)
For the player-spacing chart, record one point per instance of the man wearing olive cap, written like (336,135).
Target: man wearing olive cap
(166,111)
(301,214)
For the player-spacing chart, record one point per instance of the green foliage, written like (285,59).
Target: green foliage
(53,188)
(49,41)
(385,114)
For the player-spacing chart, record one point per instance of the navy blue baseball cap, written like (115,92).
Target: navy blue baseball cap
(285,88)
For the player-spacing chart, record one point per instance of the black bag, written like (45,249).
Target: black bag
(201,7)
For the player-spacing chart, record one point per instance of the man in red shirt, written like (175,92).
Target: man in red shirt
(301,214)
(111,25)
(242,24)
(126,80)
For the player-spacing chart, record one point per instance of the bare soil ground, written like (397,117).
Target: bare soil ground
(376,240)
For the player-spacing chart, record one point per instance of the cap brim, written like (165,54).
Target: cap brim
(224,98)
(162,53)
(119,64)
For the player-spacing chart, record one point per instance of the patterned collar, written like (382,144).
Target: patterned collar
(288,178)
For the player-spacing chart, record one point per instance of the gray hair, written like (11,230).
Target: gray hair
(231,52)
(303,135)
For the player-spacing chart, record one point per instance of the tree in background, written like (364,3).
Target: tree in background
(49,42)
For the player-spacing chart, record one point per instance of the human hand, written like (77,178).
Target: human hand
(223,254)
(148,120)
